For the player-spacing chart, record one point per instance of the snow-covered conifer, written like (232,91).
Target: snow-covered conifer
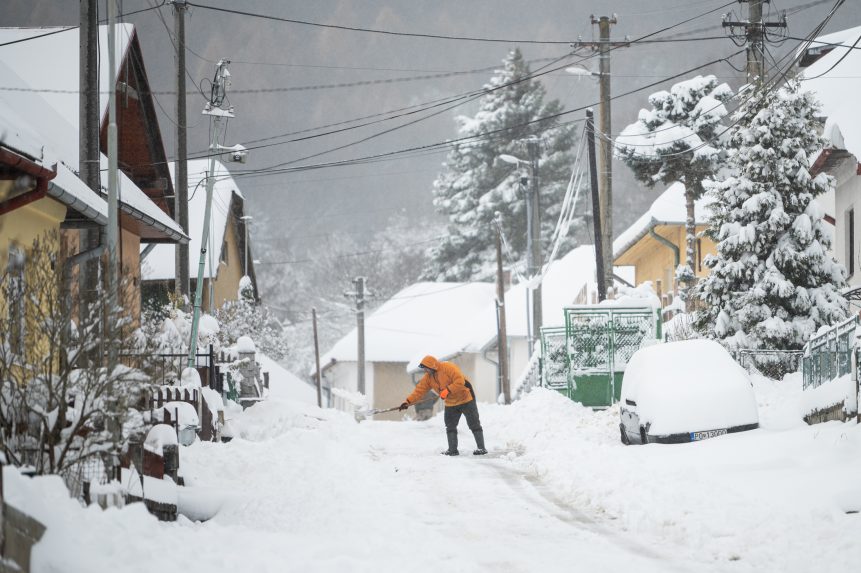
(474,184)
(773,282)
(674,141)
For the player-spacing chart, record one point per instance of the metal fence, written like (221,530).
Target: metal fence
(554,365)
(774,364)
(166,368)
(829,355)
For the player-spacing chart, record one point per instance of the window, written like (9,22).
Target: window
(850,241)
(15,300)
(224,252)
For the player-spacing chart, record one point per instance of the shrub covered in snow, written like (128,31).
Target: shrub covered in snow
(773,283)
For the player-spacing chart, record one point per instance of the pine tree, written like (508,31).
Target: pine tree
(673,141)
(773,282)
(474,184)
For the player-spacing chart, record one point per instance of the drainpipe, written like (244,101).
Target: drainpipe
(669,244)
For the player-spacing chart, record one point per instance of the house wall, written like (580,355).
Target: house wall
(226,284)
(847,197)
(391,384)
(130,273)
(652,260)
(24,225)
(343,375)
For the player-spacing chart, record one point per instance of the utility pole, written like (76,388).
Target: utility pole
(753,32)
(534,263)
(596,207)
(217,115)
(359,294)
(501,330)
(88,149)
(317,358)
(113,183)
(604,46)
(180,186)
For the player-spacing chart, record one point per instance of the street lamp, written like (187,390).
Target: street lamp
(533,242)
(245,219)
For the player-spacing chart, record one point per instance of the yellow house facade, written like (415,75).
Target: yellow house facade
(655,244)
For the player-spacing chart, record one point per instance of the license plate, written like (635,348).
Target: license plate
(697,436)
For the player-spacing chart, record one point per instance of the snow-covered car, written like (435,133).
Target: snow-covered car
(685,391)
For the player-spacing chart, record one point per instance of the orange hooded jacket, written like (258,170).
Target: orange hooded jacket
(444,375)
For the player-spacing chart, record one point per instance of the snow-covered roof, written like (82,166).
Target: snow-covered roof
(564,280)
(52,63)
(668,209)
(40,86)
(160,263)
(19,136)
(835,88)
(424,318)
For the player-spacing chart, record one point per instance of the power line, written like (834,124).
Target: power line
(419,34)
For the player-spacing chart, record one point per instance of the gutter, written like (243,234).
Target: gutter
(181,238)
(667,243)
(75,203)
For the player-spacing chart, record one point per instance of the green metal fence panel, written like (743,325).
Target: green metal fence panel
(554,360)
(600,341)
(829,355)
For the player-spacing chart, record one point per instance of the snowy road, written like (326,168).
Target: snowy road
(379,496)
(312,490)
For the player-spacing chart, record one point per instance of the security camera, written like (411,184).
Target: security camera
(239,156)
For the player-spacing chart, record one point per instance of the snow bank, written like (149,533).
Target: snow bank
(687,386)
(772,499)
(831,393)
(286,385)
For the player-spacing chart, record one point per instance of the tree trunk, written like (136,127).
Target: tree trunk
(690,239)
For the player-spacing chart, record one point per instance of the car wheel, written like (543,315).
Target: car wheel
(625,439)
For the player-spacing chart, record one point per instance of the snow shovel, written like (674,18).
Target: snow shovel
(367,413)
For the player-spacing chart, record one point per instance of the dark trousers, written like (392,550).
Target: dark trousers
(452,418)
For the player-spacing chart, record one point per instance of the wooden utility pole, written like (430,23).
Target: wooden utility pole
(88,148)
(604,46)
(317,358)
(596,207)
(501,330)
(180,186)
(753,32)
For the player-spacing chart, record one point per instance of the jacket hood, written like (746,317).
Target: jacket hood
(430,362)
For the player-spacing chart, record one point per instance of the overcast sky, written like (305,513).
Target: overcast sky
(267,54)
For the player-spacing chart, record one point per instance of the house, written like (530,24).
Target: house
(48,102)
(655,244)
(228,257)
(568,281)
(38,195)
(833,73)
(424,318)
(456,322)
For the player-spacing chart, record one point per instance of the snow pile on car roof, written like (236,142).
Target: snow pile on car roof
(687,386)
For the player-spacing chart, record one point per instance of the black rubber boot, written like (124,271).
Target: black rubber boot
(479,443)
(452,443)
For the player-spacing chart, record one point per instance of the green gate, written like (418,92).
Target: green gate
(829,355)
(599,342)
(554,362)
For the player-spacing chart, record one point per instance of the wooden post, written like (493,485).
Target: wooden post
(266,380)
(659,284)
(317,358)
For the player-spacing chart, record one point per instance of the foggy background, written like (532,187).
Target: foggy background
(296,214)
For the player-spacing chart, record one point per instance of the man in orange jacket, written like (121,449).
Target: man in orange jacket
(448,381)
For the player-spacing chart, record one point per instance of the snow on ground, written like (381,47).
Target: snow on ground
(303,489)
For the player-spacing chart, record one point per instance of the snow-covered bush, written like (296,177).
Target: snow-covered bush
(245,317)
(61,405)
(773,283)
